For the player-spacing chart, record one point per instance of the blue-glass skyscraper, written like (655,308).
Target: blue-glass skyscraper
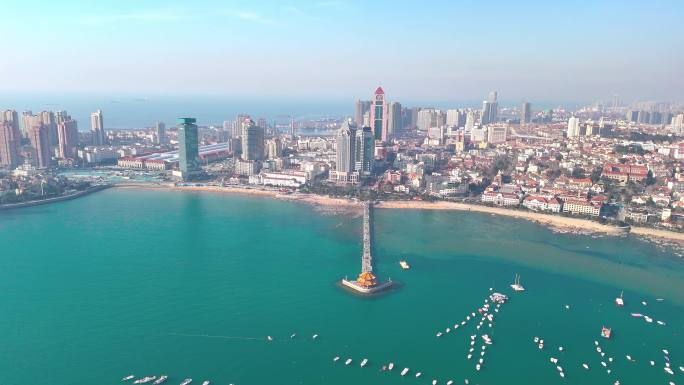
(188,147)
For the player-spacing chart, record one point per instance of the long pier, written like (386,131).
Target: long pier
(366,257)
(367,282)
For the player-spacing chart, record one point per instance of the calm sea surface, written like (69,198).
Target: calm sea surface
(189,285)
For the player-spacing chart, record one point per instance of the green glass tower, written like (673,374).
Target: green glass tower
(188,147)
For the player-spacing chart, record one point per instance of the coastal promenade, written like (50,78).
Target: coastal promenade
(60,198)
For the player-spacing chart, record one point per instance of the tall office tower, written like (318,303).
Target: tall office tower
(10,140)
(428,118)
(378,115)
(160,133)
(188,147)
(573,127)
(97,128)
(61,116)
(252,141)
(490,109)
(394,119)
(67,137)
(470,120)
(589,130)
(525,114)
(632,116)
(228,129)
(643,117)
(48,120)
(345,156)
(364,151)
(362,106)
(40,141)
(497,133)
(237,127)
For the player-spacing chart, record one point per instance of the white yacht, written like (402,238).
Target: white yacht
(403,372)
(128,378)
(161,379)
(337,358)
(364,362)
(390,366)
(516,286)
(186,381)
(349,361)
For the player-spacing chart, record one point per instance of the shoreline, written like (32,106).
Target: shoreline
(555,222)
(60,198)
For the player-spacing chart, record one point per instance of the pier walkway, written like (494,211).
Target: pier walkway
(367,258)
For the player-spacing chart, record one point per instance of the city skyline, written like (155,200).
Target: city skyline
(442,51)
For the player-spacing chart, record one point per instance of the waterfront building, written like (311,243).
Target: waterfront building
(10,140)
(525,114)
(274,148)
(346,142)
(252,141)
(364,151)
(362,107)
(40,142)
(67,138)
(48,120)
(160,133)
(428,118)
(378,115)
(97,128)
(573,127)
(188,148)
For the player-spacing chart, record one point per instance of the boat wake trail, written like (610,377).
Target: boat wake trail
(215,336)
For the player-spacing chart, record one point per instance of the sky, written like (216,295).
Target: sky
(336,49)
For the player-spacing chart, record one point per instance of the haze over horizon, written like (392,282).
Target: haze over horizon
(342,49)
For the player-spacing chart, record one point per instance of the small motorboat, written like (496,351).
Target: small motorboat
(404,371)
(128,378)
(585,366)
(419,374)
(337,358)
(161,379)
(186,381)
(605,332)
(349,361)
(390,366)
(619,300)
(364,362)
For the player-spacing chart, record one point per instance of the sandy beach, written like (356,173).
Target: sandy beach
(556,222)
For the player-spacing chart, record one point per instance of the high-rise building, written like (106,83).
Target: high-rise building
(378,115)
(525,114)
(455,118)
(10,140)
(237,127)
(252,141)
(573,127)
(97,128)
(274,148)
(496,133)
(394,119)
(364,151)
(67,138)
(188,147)
(346,142)
(48,120)
(40,142)
(160,133)
(362,106)
(470,120)
(490,109)
(26,122)
(428,118)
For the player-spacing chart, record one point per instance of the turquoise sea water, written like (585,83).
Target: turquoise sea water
(190,284)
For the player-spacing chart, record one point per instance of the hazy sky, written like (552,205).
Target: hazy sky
(431,50)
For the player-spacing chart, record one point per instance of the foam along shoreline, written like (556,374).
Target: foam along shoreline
(553,221)
(558,222)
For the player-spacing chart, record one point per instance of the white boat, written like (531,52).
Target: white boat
(560,348)
(477,367)
(337,358)
(470,356)
(128,378)
(145,380)
(269,338)
(536,339)
(516,286)
(636,315)
(205,383)
(541,346)
(604,364)
(186,381)
(585,366)
(652,363)
(390,366)
(364,362)
(667,353)
(404,371)
(661,323)
(404,265)
(293,335)
(315,336)
(439,334)
(644,303)
(450,382)
(349,361)
(681,368)
(619,300)
(161,379)
(648,319)
(448,330)
(561,374)
(629,358)
(560,369)
(434,382)
(668,370)
(419,374)
(553,360)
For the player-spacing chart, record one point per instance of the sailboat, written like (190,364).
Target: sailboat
(516,284)
(619,301)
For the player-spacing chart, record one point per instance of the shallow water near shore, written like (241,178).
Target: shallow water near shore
(190,284)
